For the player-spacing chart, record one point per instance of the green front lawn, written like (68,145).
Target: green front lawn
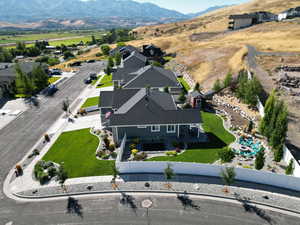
(205,152)
(184,84)
(91,102)
(106,81)
(53,79)
(76,149)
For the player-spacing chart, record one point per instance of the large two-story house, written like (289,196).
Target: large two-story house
(147,114)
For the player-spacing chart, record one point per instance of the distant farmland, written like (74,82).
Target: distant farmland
(58,38)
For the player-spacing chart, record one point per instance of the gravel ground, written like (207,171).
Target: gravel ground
(193,184)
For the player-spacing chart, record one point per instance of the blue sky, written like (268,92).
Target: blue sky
(188,6)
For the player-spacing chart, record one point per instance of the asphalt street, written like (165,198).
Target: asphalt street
(164,210)
(21,135)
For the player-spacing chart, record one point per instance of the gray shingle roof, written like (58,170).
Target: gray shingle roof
(136,60)
(156,108)
(115,99)
(153,76)
(8,70)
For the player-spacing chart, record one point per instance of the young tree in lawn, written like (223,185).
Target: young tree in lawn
(169,174)
(217,85)
(118,58)
(65,106)
(62,176)
(105,49)
(260,160)
(228,176)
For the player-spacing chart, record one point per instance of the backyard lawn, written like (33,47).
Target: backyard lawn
(106,81)
(205,152)
(77,150)
(185,85)
(91,102)
(53,79)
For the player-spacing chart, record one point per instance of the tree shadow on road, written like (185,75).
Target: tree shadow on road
(187,202)
(74,207)
(129,201)
(254,209)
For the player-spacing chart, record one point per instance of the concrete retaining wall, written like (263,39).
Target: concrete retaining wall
(249,175)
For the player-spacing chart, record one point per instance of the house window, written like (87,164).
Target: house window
(155,128)
(142,127)
(171,129)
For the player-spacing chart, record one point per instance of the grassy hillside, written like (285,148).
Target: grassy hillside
(209,51)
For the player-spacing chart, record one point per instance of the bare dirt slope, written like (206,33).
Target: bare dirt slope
(210,51)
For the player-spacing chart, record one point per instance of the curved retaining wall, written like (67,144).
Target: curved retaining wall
(249,175)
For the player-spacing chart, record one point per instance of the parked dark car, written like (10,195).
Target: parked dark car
(91,61)
(51,90)
(75,64)
(93,76)
(55,72)
(87,80)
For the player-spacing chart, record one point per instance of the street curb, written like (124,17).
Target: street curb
(219,197)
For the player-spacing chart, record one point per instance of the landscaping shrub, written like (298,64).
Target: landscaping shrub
(105,157)
(132,146)
(134,151)
(140,157)
(107,142)
(260,160)
(112,147)
(44,171)
(226,155)
(171,153)
(114,155)
(290,168)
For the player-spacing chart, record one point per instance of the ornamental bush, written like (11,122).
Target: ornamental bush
(226,155)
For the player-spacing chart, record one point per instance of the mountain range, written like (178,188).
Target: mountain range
(89,13)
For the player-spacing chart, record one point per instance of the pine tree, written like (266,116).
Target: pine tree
(217,85)
(228,80)
(278,153)
(260,160)
(272,124)
(290,168)
(118,58)
(269,107)
(111,61)
(279,133)
(19,82)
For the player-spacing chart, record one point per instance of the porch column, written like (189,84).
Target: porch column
(198,131)
(178,130)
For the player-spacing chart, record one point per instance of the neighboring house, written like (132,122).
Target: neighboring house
(196,99)
(148,115)
(135,73)
(124,50)
(154,77)
(289,14)
(246,20)
(241,21)
(129,65)
(8,75)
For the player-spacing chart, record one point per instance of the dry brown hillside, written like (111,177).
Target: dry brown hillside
(209,51)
